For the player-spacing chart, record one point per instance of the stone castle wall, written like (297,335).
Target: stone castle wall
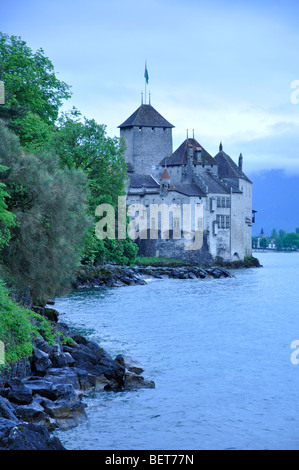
(147,146)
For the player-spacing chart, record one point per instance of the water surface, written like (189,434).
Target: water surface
(218,351)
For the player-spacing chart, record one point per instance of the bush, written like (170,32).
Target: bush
(18,326)
(49,204)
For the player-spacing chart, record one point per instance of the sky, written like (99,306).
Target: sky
(228,70)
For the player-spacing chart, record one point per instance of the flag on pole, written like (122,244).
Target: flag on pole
(146,73)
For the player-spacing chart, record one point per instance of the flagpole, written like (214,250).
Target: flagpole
(145,81)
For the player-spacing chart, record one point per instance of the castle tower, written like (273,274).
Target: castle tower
(148,138)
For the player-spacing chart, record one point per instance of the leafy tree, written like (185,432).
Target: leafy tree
(274,234)
(281,233)
(31,85)
(264,243)
(83,144)
(7,219)
(291,240)
(49,204)
(254,242)
(278,244)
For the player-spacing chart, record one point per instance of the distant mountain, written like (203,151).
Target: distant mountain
(276,200)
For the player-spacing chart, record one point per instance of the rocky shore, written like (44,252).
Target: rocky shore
(49,390)
(119,276)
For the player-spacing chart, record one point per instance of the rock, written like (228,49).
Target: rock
(47,312)
(62,359)
(26,436)
(64,375)
(33,413)
(7,410)
(40,361)
(129,363)
(66,414)
(134,381)
(17,392)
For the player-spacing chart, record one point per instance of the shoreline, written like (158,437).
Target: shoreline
(112,275)
(46,391)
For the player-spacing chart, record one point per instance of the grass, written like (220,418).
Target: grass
(160,261)
(18,327)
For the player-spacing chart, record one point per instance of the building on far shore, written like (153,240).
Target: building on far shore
(213,187)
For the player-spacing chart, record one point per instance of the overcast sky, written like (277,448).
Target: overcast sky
(222,68)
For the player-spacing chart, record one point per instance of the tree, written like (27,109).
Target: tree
(83,144)
(7,219)
(274,234)
(281,233)
(278,244)
(291,240)
(31,85)
(264,243)
(49,204)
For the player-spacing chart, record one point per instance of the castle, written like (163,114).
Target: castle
(188,177)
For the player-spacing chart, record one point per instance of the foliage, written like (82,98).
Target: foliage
(264,242)
(31,84)
(18,326)
(159,261)
(282,240)
(49,204)
(83,144)
(7,219)
(291,240)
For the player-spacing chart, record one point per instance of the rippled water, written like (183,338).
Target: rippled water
(218,351)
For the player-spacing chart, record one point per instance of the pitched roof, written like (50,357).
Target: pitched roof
(137,181)
(189,189)
(227,168)
(180,156)
(165,175)
(146,116)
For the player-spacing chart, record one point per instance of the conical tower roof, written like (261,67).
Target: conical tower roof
(146,116)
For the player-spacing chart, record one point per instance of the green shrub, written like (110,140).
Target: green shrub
(19,326)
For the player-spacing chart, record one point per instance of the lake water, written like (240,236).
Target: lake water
(218,350)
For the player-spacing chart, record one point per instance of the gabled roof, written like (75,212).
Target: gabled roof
(227,168)
(180,156)
(146,116)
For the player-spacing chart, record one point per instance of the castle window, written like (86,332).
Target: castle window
(227,202)
(152,129)
(223,221)
(140,128)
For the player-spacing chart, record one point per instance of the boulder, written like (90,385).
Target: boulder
(66,414)
(129,363)
(26,436)
(133,381)
(16,392)
(40,361)
(7,410)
